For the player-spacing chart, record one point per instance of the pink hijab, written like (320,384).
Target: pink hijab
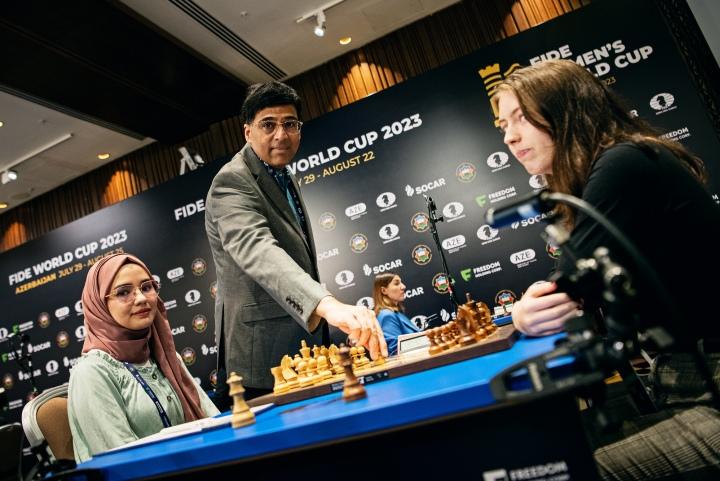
(102,332)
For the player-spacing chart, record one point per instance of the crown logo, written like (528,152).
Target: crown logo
(491,78)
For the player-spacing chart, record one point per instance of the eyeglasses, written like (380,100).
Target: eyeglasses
(291,127)
(126,294)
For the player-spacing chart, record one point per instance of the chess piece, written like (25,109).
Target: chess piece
(362,361)
(304,350)
(303,379)
(280,386)
(334,358)
(241,413)
(323,373)
(352,389)
(288,374)
(433,336)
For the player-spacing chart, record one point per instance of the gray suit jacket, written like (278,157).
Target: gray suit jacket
(267,278)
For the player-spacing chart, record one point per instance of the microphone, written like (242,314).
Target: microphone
(531,205)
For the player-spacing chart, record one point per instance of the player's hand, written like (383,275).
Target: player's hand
(359,323)
(542,311)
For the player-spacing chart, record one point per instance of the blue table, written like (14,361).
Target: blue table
(398,415)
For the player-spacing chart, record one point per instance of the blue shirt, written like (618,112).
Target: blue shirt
(393,324)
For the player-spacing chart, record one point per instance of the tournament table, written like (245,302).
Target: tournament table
(431,423)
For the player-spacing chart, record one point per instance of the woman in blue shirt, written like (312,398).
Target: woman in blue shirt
(388,295)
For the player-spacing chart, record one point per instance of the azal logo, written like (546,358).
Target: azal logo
(466,274)
(358,243)
(327,221)
(440,283)
(188,356)
(421,254)
(420,222)
(199,266)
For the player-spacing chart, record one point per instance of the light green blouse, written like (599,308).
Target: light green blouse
(107,407)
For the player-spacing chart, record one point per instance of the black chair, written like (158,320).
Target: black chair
(11,440)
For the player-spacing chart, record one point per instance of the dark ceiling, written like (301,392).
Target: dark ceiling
(95,59)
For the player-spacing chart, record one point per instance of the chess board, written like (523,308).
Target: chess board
(503,338)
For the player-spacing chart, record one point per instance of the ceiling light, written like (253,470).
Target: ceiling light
(1,123)
(103,156)
(320,27)
(345,40)
(3,205)
(8,176)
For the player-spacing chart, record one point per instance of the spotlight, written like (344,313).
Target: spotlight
(320,27)
(8,176)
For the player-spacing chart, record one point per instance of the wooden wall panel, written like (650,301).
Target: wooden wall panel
(405,53)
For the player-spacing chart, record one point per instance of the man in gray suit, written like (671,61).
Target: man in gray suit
(268,295)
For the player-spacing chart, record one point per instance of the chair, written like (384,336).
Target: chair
(46,425)
(11,440)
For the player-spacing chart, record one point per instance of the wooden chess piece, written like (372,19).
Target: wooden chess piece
(280,386)
(323,373)
(290,376)
(241,413)
(352,389)
(433,336)
(362,360)
(304,350)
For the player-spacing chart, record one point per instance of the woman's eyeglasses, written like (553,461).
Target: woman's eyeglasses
(126,294)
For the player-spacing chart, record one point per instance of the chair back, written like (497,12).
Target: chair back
(11,439)
(45,420)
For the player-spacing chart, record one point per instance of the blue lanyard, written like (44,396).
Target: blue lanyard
(161,410)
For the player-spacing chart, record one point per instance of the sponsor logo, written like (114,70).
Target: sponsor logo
(79,308)
(358,243)
(410,293)
(503,194)
(344,279)
(356,211)
(175,274)
(554,471)
(662,103)
(389,233)
(445,315)
(440,283)
(25,326)
(498,161)
(677,134)
(427,187)
(328,254)
(454,244)
(213,377)
(62,312)
(157,279)
(487,234)
(465,172)
(208,350)
(529,221)
(199,323)
(199,266)
(538,181)
(8,382)
(192,297)
(481,200)
(62,339)
(420,321)
(52,367)
(170,304)
(504,297)
(491,76)
(15,404)
(3,333)
(453,211)
(420,222)
(43,319)
(39,347)
(523,258)
(367,270)
(25,376)
(553,251)
(386,201)
(421,255)
(188,356)
(80,333)
(481,271)
(213,289)
(327,221)
(366,302)
(71,362)
(178,330)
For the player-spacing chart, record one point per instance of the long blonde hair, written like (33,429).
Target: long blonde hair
(380,300)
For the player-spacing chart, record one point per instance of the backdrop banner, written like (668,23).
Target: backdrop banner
(364,171)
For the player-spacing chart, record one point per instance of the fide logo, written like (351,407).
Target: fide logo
(538,181)
(8,382)
(505,297)
(440,283)
(213,377)
(491,76)
(420,222)
(157,279)
(199,266)
(386,201)
(421,255)
(465,172)
(52,367)
(43,319)
(188,356)
(366,302)
(344,279)
(199,323)
(389,233)
(487,234)
(453,211)
(62,340)
(327,221)
(498,161)
(663,102)
(420,321)
(213,289)
(79,308)
(192,297)
(80,333)
(358,243)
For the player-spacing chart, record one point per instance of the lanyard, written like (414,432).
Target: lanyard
(161,410)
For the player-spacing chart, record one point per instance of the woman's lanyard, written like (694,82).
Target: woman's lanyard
(161,410)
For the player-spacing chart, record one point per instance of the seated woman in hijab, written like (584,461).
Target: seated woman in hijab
(128,362)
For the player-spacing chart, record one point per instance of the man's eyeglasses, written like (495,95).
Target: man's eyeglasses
(291,127)
(126,294)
